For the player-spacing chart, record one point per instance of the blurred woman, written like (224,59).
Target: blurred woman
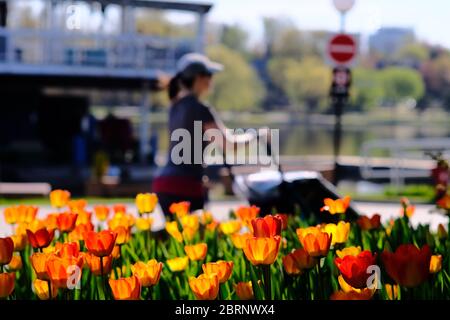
(184,181)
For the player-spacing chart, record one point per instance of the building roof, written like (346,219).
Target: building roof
(163,5)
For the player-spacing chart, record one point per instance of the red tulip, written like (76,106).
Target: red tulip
(354,268)
(6,250)
(100,243)
(366,223)
(409,266)
(266,227)
(284,220)
(41,238)
(66,221)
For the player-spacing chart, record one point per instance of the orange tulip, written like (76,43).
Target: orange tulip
(407,208)
(51,221)
(435,263)
(20,241)
(84,217)
(39,262)
(314,241)
(41,238)
(290,266)
(262,250)
(206,218)
(205,287)
(119,208)
(93,262)
(146,202)
(59,198)
(121,219)
(115,254)
(7,281)
(67,250)
(247,214)
(180,209)
(266,227)
(15,264)
(444,202)
(189,233)
(147,273)
(230,227)
(126,288)
(338,206)
(101,212)
(77,206)
(366,223)
(196,252)
(123,235)
(66,221)
(303,260)
(240,239)
(58,269)
(408,266)
(80,232)
(6,250)
(26,214)
(244,290)
(223,269)
(41,289)
(100,243)
(11,215)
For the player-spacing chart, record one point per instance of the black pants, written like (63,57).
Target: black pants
(166,199)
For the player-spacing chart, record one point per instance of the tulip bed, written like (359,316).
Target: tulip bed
(281,256)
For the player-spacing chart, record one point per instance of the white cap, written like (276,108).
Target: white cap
(200,61)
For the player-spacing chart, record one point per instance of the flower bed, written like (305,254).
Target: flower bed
(66,256)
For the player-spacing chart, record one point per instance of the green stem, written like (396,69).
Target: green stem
(267,282)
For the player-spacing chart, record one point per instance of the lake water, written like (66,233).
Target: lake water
(304,139)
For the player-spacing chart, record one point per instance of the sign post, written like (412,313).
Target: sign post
(341,50)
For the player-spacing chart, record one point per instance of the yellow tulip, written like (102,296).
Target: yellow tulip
(230,227)
(178,264)
(338,232)
(349,251)
(146,202)
(144,224)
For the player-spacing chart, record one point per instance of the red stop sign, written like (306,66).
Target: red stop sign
(342,49)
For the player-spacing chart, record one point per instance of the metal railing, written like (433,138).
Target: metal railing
(405,158)
(32,49)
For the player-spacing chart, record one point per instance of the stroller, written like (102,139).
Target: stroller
(288,192)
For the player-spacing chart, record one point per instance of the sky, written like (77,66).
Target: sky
(429,18)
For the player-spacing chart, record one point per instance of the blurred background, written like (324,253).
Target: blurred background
(84,107)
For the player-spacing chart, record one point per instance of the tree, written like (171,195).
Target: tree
(367,89)
(238,86)
(400,83)
(234,37)
(306,82)
(436,73)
